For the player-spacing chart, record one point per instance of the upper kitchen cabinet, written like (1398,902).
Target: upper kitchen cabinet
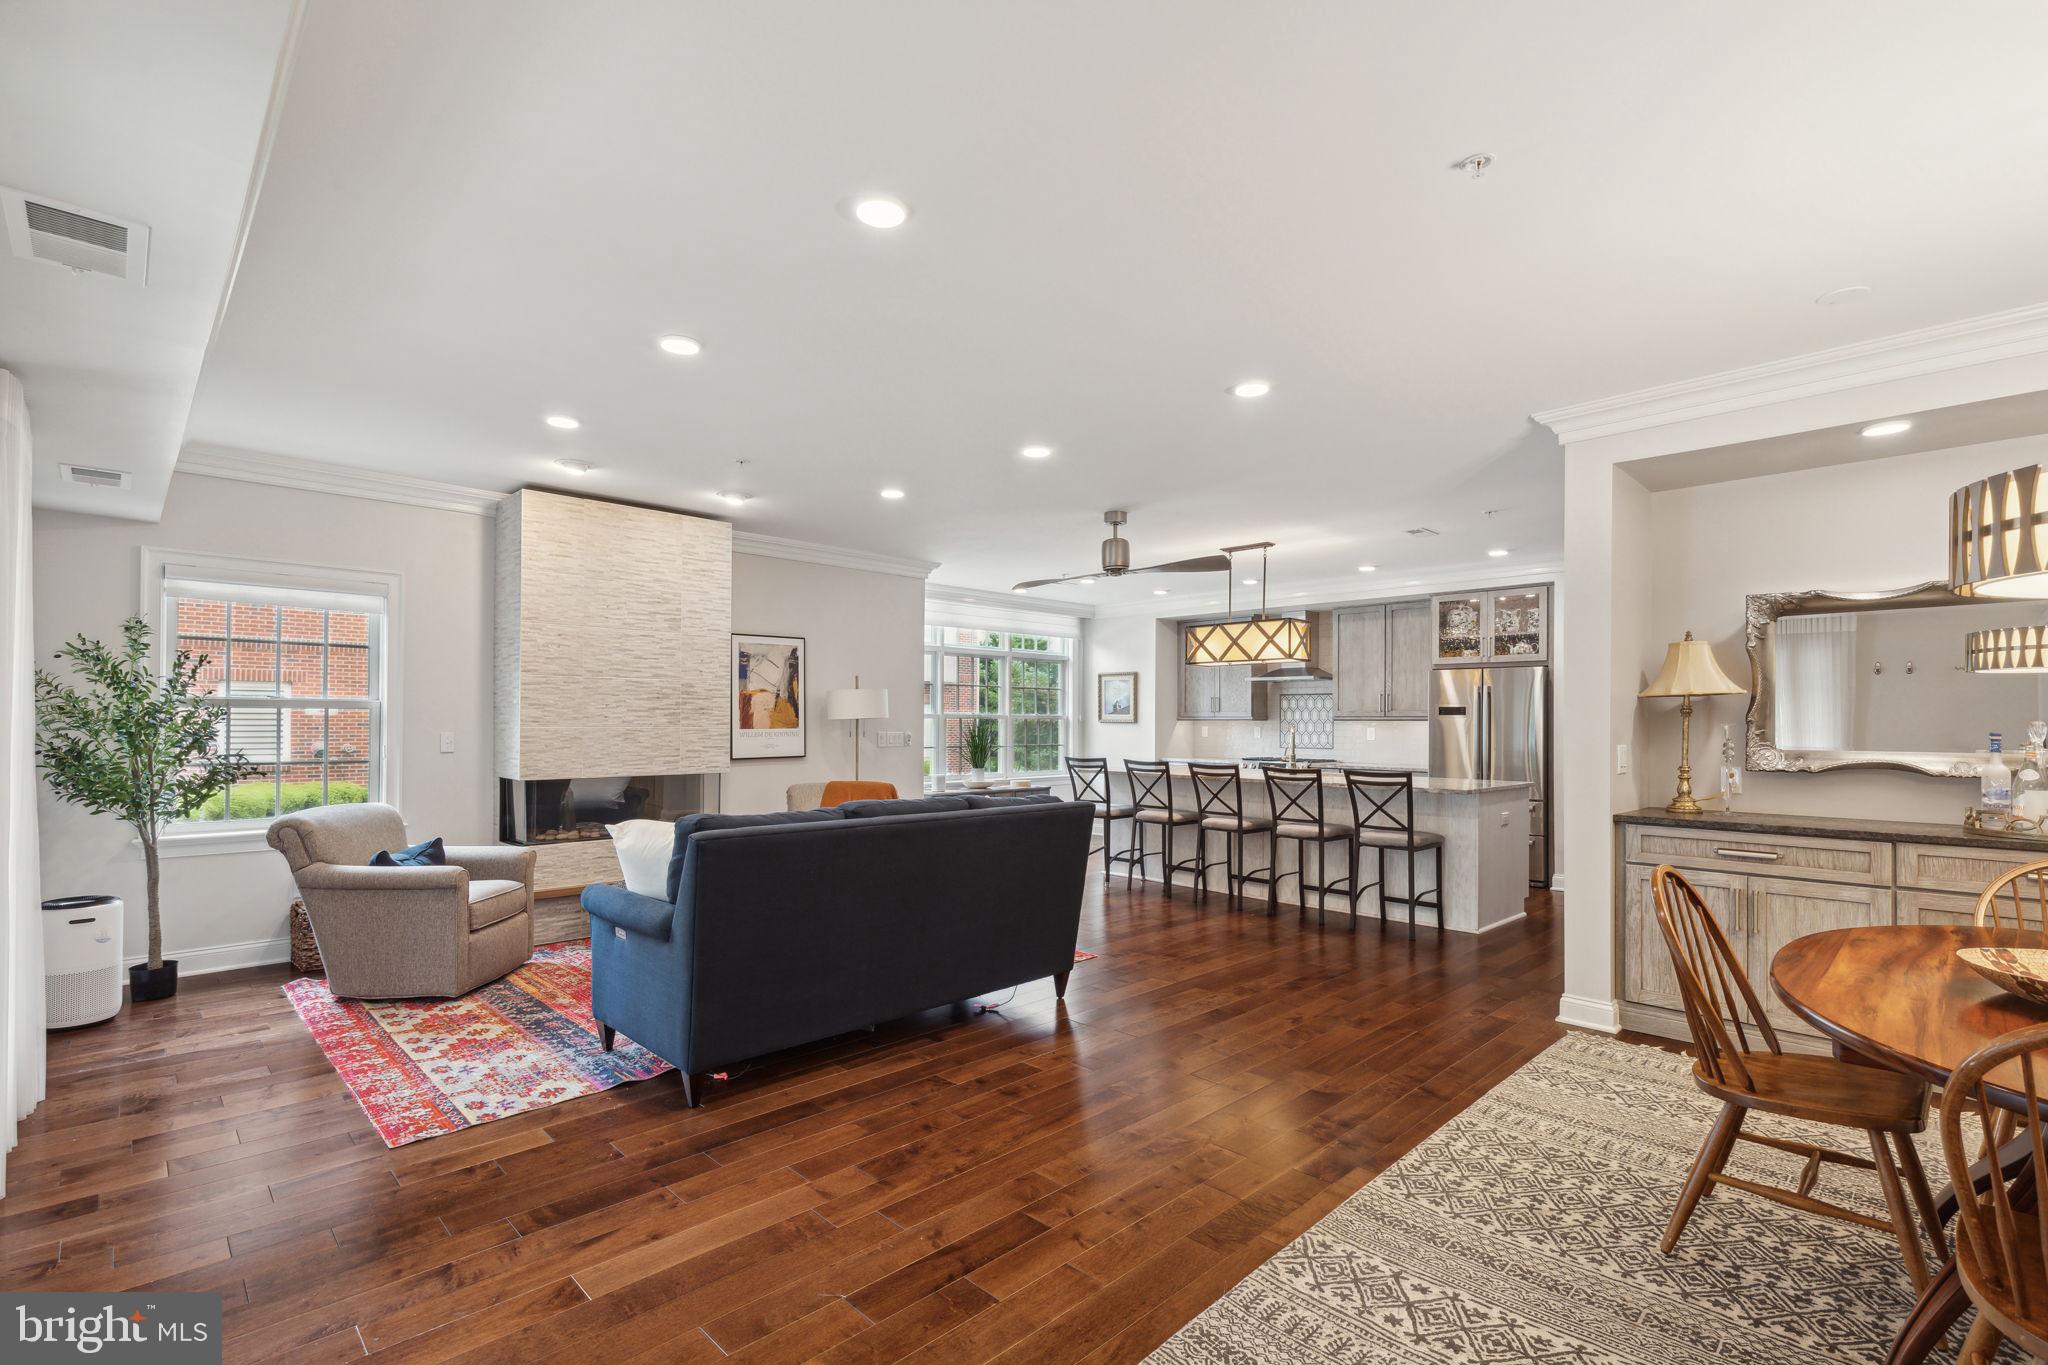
(1498,625)
(1382,661)
(1219,691)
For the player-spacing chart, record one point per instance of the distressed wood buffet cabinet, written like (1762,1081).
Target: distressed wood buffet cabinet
(1770,879)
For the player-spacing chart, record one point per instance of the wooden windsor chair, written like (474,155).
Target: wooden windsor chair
(1748,1070)
(2013,894)
(2001,1235)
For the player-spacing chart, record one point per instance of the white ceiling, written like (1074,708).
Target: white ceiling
(150,111)
(477,213)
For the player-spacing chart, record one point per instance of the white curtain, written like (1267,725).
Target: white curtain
(21,930)
(1816,680)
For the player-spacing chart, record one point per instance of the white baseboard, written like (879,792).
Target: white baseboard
(226,957)
(1584,1012)
(1557,883)
(1515,918)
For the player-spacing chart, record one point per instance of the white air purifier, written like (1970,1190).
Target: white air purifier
(82,959)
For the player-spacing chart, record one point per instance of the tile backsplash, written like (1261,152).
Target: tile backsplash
(1385,743)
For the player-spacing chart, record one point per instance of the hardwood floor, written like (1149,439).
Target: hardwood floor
(1036,1184)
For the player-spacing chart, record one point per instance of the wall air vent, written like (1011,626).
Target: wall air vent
(1421,531)
(91,477)
(81,240)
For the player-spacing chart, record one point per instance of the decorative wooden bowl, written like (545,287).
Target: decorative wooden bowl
(2023,971)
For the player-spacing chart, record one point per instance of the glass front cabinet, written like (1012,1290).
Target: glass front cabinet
(1499,625)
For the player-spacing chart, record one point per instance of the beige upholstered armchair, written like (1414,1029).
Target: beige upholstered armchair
(392,932)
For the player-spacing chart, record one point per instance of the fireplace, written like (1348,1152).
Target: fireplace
(572,809)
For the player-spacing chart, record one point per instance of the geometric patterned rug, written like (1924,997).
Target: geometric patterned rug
(1526,1230)
(421,1068)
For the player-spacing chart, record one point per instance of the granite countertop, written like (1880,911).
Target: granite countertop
(1836,827)
(1449,786)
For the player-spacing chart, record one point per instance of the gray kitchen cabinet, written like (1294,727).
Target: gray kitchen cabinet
(1496,625)
(1383,657)
(1220,692)
(1410,647)
(1360,670)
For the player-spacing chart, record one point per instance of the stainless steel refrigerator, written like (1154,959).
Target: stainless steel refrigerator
(1495,723)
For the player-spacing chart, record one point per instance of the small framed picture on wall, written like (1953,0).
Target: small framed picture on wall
(1116,698)
(768,704)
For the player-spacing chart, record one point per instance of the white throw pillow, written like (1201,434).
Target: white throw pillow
(643,847)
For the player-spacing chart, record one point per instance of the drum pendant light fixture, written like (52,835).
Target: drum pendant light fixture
(1264,639)
(1998,536)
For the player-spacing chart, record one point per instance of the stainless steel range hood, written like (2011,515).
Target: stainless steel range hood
(1320,643)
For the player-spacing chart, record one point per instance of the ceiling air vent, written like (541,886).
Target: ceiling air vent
(91,477)
(1421,531)
(80,240)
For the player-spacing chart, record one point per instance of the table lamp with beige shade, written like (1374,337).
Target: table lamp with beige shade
(1690,670)
(857,703)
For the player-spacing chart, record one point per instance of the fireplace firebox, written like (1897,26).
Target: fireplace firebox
(567,809)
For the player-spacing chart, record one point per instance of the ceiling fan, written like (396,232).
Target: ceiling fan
(1116,560)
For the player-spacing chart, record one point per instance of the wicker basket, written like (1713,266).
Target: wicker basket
(305,952)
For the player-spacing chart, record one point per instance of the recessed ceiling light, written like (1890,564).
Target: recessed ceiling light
(1020,591)
(1251,582)
(678,345)
(1368,568)
(574,466)
(562,421)
(1159,592)
(1496,553)
(880,211)
(1251,388)
(1085,582)
(1848,293)
(892,494)
(1890,428)
(736,499)
(1036,452)
(1414,583)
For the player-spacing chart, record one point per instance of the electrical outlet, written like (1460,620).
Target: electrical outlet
(1204,731)
(1621,760)
(447,741)
(1503,819)
(1372,732)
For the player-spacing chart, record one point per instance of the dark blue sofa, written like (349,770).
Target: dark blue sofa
(786,928)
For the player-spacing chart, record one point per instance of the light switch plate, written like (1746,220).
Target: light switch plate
(447,741)
(1621,760)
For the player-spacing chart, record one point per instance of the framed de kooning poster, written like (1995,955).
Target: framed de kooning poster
(1116,698)
(768,705)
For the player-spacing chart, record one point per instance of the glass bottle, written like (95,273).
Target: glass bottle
(1731,770)
(2029,790)
(1994,779)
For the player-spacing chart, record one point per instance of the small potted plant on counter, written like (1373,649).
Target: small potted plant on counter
(981,748)
(121,740)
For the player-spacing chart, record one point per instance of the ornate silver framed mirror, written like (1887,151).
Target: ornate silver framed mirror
(1877,680)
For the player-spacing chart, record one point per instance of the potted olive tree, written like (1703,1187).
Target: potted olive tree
(121,740)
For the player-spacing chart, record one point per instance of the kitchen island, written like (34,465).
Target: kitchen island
(1485,826)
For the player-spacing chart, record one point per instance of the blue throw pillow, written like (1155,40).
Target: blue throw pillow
(429,854)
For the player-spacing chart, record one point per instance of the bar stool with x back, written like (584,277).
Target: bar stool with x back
(1296,798)
(1090,777)
(1383,813)
(1152,805)
(1219,798)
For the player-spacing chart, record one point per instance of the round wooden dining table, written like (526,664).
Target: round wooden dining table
(1897,996)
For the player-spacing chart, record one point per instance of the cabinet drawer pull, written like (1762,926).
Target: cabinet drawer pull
(1750,855)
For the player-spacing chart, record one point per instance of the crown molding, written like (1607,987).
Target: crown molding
(1904,355)
(346,481)
(1008,601)
(775,547)
(1319,594)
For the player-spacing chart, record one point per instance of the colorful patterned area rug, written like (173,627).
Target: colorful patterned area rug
(421,1068)
(1526,1230)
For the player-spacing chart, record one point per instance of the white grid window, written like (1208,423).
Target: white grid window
(299,677)
(1014,686)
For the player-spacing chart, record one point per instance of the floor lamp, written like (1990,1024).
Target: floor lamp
(857,703)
